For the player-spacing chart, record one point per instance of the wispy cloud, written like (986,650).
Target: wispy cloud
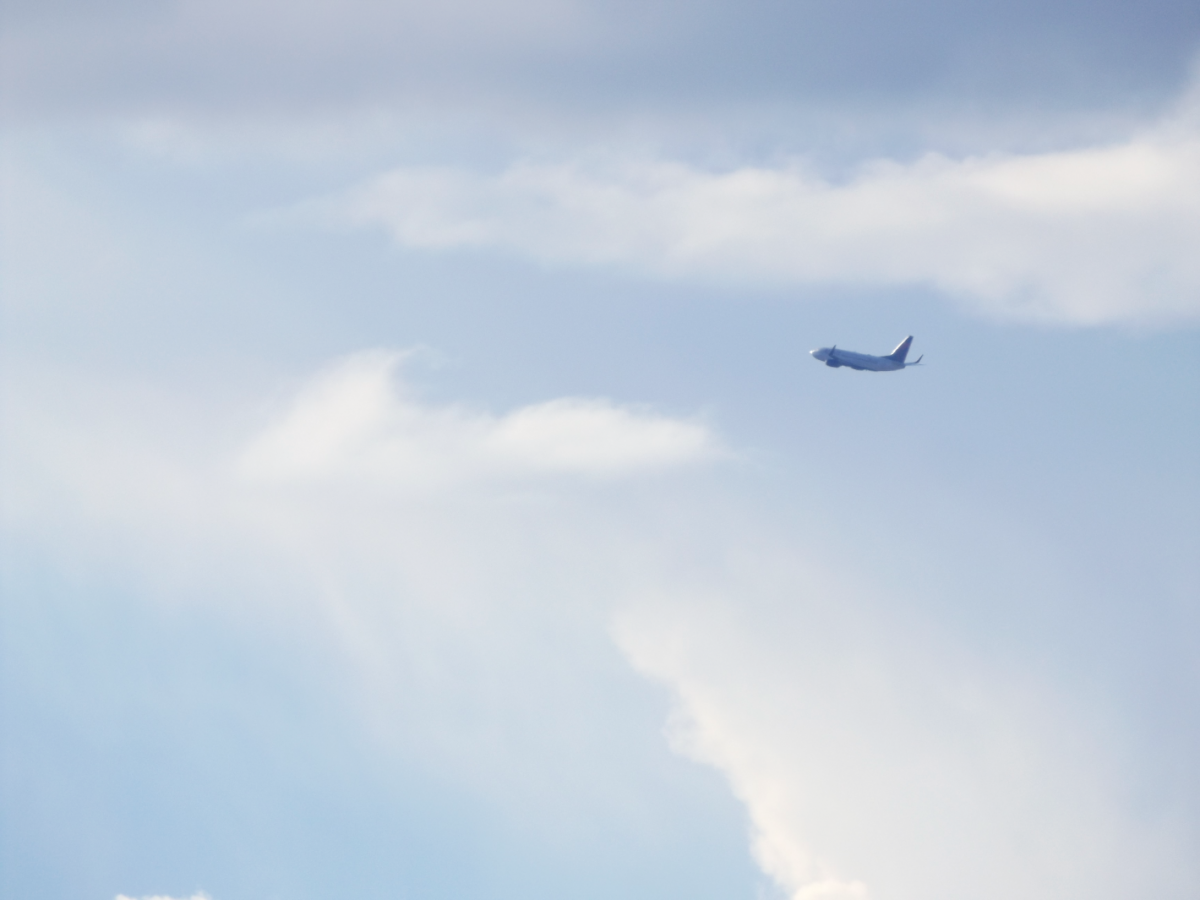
(354,421)
(1093,235)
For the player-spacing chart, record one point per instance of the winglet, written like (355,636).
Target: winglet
(902,350)
(918,362)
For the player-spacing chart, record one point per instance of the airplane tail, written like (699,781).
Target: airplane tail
(901,352)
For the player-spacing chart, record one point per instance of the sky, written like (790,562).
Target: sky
(415,482)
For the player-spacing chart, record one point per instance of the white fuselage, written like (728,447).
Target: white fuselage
(834,357)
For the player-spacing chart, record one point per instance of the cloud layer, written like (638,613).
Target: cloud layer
(122,56)
(466,631)
(1090,236)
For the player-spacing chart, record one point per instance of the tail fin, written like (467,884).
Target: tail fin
(902,351)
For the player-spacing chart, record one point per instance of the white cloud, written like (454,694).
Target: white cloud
(197,896)
(355,422)
(1094,235)
(876,760)
(447,571)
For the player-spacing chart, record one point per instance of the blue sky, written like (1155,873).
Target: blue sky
(416,483)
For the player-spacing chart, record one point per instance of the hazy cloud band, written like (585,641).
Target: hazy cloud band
(1088,236)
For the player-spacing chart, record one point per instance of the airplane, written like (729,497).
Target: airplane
(834,357)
